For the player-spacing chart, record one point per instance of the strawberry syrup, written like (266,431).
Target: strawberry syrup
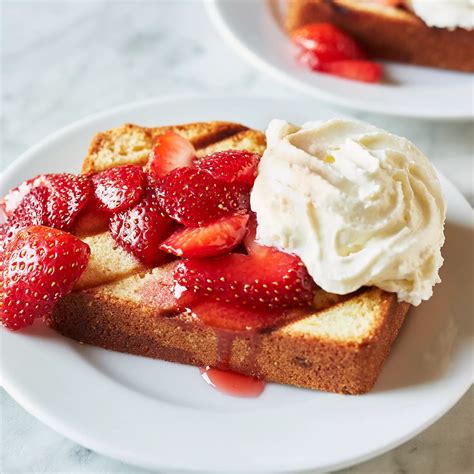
(232,383)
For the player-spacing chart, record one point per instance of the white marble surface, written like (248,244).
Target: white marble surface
(61,61)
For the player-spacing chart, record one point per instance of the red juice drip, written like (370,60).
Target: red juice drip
(232,383)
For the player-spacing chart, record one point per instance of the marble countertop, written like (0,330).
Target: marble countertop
(64,60)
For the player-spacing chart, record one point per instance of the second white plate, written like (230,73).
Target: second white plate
(253,28)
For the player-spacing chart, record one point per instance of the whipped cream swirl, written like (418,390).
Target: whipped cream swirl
(449,14)
(358,205)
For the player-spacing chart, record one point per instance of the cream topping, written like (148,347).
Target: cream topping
(358,205)
(445,13)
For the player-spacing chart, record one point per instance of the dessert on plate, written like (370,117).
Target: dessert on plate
(436,33)
(292,257)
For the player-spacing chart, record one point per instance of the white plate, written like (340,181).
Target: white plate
(162,415)
(253,28)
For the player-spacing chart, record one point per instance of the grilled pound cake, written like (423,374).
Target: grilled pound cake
(339,345)
(388,32)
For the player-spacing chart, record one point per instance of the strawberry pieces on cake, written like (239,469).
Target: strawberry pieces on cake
(42,265)
(216,238)
(269,279)
(140,229)
(326,48)
(327,42)
(193,197)
(170,151)
(66,194)
(118,188)
(232,166)
(178,206)
(364,71)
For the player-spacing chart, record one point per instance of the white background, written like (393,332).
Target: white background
(61,61)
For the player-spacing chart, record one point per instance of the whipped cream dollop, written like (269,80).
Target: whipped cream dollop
(445,13)
(358,205)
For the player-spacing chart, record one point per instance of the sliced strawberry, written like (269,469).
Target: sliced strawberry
(365,71)
(171,151)
(194,198)
(42,265)
(232,166)
(90,220)
(68,194)
(32,210)
(117,188)
(214,239)
(268,279)
(309,59)
(229,315)
(141,229)
(328,42)
(12,200)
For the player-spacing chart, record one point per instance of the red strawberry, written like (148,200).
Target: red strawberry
(216,238)
(11,201)
(170,151)
(141,229)
(90,220)
(232,166)
(194,198)
(327,42)
(68,194)
(267,279)
(366,71)
(117,188)
(32,210)
(309,59)
(42,265)
(229,315)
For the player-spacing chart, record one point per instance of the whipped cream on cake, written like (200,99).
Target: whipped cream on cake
(358,205)
(449,14)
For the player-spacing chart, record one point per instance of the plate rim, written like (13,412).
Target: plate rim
(285,78)
(44,416)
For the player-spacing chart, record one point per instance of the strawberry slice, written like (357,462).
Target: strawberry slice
(216,238)
(171,151)
(268,279)
(68,194)
(90,220)
(13,199)
(365,71)
(42,265)
(118,188)
(32,210)
(327,42)
(232,166)
(309,59)
(194,198)
(141,229)
(229,315)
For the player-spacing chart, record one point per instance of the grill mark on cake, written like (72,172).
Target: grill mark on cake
(220,135)
(336,7)
(171,313)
